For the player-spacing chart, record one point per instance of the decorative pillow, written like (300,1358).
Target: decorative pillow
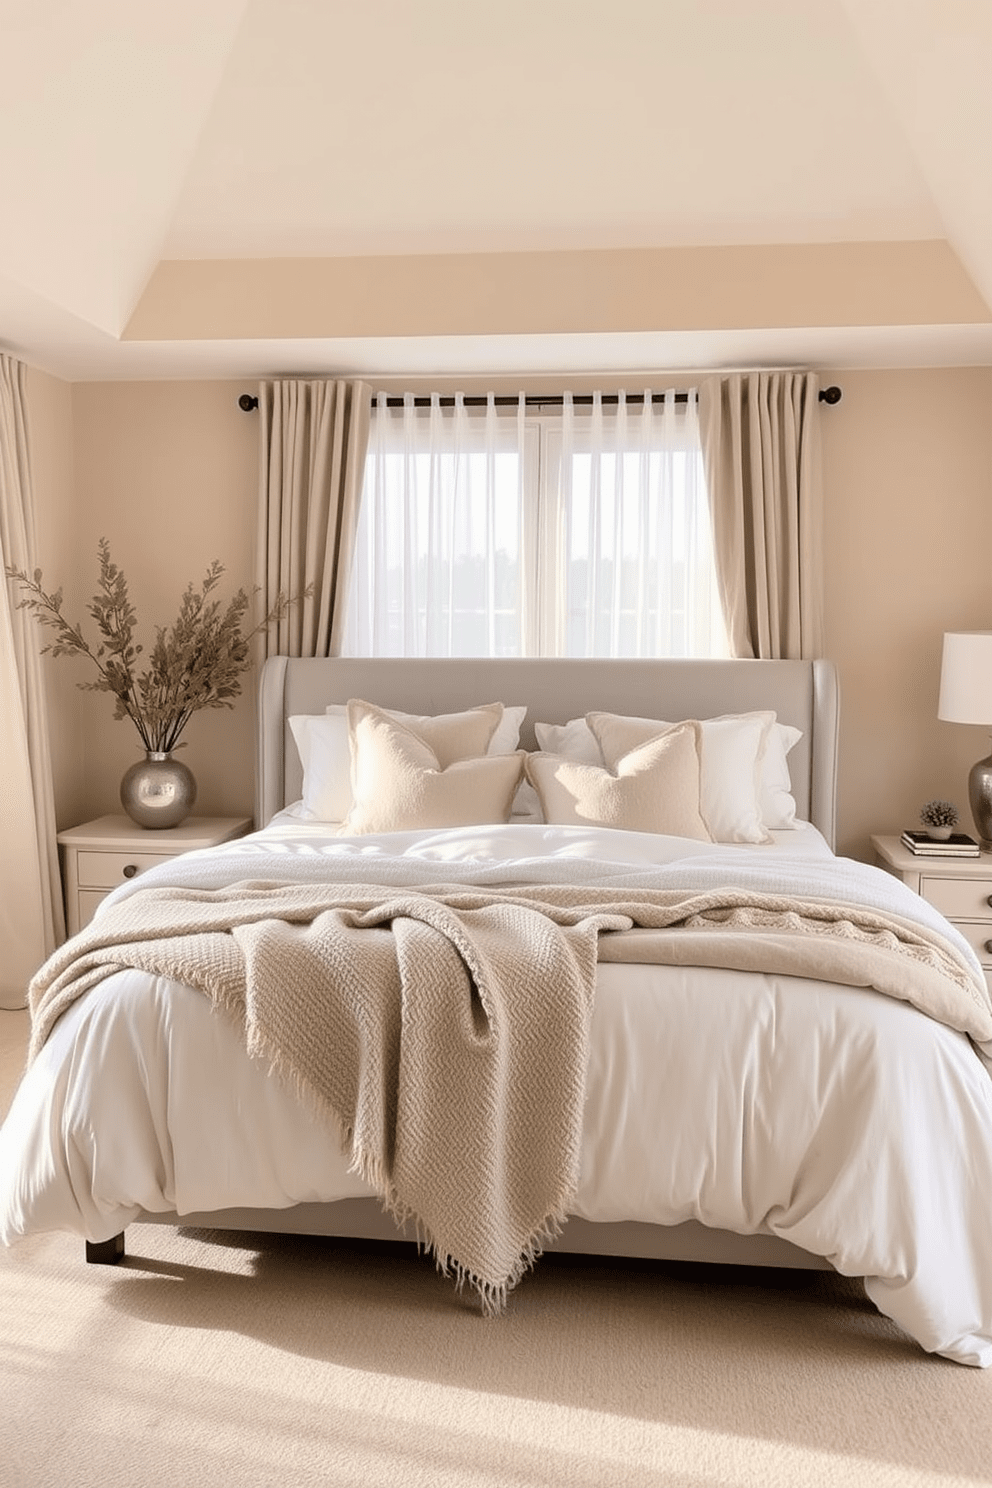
(526,804)
(572,740)
(778,804)
(730,779)
(399,784)
(325,755)
(452,736)
(576,741)
(504,739)
(325,749)
(654,787)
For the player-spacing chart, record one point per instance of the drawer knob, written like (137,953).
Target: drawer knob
(989,901)
(130,869)
(988,948)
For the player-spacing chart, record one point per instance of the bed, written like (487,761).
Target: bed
(795,1075)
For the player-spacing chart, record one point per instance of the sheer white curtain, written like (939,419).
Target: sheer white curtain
(636,562)
(438,568)
(510,529)
(31,919)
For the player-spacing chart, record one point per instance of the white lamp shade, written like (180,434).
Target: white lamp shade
(966,678)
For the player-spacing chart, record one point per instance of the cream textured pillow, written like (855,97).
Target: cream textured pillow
(653,788)
(730,777)
(452,736)
(504,739)
(324,747)
(576,741)
(399,784)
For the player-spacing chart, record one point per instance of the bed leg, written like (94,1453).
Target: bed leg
(105,1252)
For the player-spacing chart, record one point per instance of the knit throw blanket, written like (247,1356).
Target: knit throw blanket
(446,1031)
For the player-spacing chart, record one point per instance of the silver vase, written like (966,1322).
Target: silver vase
(158,791)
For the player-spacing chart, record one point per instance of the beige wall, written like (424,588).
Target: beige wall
(908,534)
(167,471)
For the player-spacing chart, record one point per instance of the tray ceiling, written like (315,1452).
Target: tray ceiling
(155,161)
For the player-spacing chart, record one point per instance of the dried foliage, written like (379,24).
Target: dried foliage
(196,663)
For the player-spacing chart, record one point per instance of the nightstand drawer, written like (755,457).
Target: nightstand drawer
(88,900)
(959,898)
(100,855)
(978,936)
(105,870)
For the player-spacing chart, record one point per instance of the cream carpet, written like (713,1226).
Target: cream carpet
(216,1360)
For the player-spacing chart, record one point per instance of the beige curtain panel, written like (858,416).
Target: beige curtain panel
(31,917)
(314,436)
(760,435)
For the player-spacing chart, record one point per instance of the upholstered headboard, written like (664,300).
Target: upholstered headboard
(803,693)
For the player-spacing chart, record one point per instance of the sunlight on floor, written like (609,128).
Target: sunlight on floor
(631,1445)
(473,1438)
(234,1397)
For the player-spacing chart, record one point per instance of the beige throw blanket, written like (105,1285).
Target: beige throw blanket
(446,1031)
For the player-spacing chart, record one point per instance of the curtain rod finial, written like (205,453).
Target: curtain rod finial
(830,395)
(247,402)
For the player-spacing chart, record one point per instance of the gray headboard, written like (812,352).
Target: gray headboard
(803,693)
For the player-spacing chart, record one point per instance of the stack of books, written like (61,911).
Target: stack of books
(958,845)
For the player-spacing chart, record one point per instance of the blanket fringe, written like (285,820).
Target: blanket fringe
(368,1166)
(492,1295)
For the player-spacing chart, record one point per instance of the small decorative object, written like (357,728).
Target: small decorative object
(940,818)
(198,663)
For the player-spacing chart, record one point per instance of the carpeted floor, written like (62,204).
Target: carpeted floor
(218,1360)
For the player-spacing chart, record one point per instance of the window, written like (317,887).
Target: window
(507,529)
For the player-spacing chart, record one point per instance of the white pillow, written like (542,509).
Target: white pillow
(526,804)
(325,754)
(778,804)
(399,783)
(729,776)
(573,740)
(653,788)
(324,748)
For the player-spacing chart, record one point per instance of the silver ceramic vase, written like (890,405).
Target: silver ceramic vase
(158,791)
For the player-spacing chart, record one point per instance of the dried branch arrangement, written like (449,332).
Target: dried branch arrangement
(197,662)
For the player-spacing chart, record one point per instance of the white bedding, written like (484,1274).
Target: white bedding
(838,1118)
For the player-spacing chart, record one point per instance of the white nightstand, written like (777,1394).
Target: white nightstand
(961,888)
(100,854)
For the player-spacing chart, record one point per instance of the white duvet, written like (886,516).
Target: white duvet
(842,1120)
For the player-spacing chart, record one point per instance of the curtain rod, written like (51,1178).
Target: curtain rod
(248,401)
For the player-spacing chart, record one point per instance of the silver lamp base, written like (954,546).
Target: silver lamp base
(980,797)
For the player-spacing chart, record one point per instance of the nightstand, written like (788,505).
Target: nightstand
(100,854)
(961,888)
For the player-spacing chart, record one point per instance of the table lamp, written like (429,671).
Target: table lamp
(966,697)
